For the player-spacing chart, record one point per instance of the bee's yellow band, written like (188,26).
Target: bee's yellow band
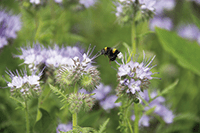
(105,48)
(114,50)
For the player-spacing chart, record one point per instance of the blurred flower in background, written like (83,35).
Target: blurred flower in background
(9,25)
(161,22)
(87,3)
(107,101)
(189,31)
(35,1)
(159,109)
(162,5)
(64,127)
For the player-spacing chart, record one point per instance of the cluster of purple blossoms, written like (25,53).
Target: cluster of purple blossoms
(159,109)
(24,85)
(160,20)
(125,9)
(9,25)
(189,31)
(38,55)
(134,76)
(101,94)
(64,127)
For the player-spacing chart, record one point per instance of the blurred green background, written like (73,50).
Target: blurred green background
(54,24)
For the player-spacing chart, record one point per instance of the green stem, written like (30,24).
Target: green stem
(134,46)
(136,130)
(74,115)
(133,37)
(27,118)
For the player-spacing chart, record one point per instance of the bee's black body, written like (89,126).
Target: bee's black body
(112,53)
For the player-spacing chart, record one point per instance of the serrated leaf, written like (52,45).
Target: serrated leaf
(169,88)
(187,53)
(103,127)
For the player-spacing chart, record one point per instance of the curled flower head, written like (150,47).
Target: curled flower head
(127,10)
(134,77)
(23,85)
(80,101)
(158,109)
(9,26)
(80,70)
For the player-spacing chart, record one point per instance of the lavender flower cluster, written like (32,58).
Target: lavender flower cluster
(85,3)
(134,76)
(160,20)
(9,25)
(38,54)
(189,31)
(101,94)
(24,85)
(159,109)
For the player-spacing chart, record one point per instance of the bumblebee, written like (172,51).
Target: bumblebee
(112,53)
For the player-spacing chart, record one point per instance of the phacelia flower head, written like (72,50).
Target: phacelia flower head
(80,101)
(24,85)
(129,10)
(161,22)
(134,77)
(159,109)
(38,55)
(9,25)
(80,70)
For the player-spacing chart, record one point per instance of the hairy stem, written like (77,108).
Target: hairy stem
(27,118)
(74,115)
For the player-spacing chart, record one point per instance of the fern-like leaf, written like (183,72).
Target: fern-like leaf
(103,127)
(60,95)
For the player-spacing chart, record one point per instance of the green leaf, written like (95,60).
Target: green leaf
(150,111)
(169,88)
(45,124)
(103,127)
(186,52)
(60,94)
(21,105)
(187,117)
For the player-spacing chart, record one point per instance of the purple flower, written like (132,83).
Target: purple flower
(135,75)
(64,127)
(162,5)
(38,54)
(101,92)
(160,110)
(23,83)
(189,31)
(35,1)
(87,3)
(109,102)
(165,23)
(58,1)
(148,4)
(9,25)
